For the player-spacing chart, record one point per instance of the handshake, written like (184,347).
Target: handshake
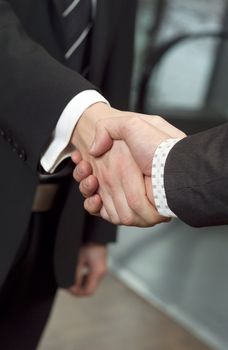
(115,164)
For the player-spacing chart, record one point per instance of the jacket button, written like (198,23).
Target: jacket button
(2,133)
(9,140)
(15,147)
(22,155)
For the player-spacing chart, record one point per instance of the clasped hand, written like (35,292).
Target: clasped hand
(115,172)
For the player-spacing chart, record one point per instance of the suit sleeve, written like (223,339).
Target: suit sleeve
(196,178)
(34,87)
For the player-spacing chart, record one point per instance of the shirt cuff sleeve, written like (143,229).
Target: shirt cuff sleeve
(59,148)
(157,176)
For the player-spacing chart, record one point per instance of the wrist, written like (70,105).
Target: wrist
(83,133)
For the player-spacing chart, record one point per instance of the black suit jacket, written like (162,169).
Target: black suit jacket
(196,178)
(35,87)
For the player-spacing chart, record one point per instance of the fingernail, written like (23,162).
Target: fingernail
(79,170)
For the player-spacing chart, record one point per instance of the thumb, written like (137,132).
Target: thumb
(106,131)
(141,138)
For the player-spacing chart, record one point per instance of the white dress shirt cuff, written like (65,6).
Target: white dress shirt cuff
(157,176)
(60,147)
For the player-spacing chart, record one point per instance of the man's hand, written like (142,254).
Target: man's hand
(142,135)
(116,170)
(84,132)
(91,268)
(121,203)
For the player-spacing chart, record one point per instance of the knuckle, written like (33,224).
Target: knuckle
(87,185)
(157,119)
(89,207)
(75,174)
(99,124)
(83,190)
(127,220)
(134,120)
(110,216)
(134,202)
(114,219)
(78,173)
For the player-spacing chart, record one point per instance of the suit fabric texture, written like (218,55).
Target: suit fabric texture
(35,87)
(196,178)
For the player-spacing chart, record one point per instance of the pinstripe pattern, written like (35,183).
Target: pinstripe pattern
(70,8)
(85,32)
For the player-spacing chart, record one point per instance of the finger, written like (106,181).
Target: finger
(89,186)
(102,141)
(93,205)
(80,277)
(76,157)
(92,282)
(128,200)
(106,131)
(108,184)
(109,211)
(104,214)
(143,212)
(149,189)
(122,201)
(118,129)
(139,135)
(147,214)
(82,171)
(126,216)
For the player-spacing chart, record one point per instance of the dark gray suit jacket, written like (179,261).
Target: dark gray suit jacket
(35,87)
(196,178)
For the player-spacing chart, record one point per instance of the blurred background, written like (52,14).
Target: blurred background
(178,274)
